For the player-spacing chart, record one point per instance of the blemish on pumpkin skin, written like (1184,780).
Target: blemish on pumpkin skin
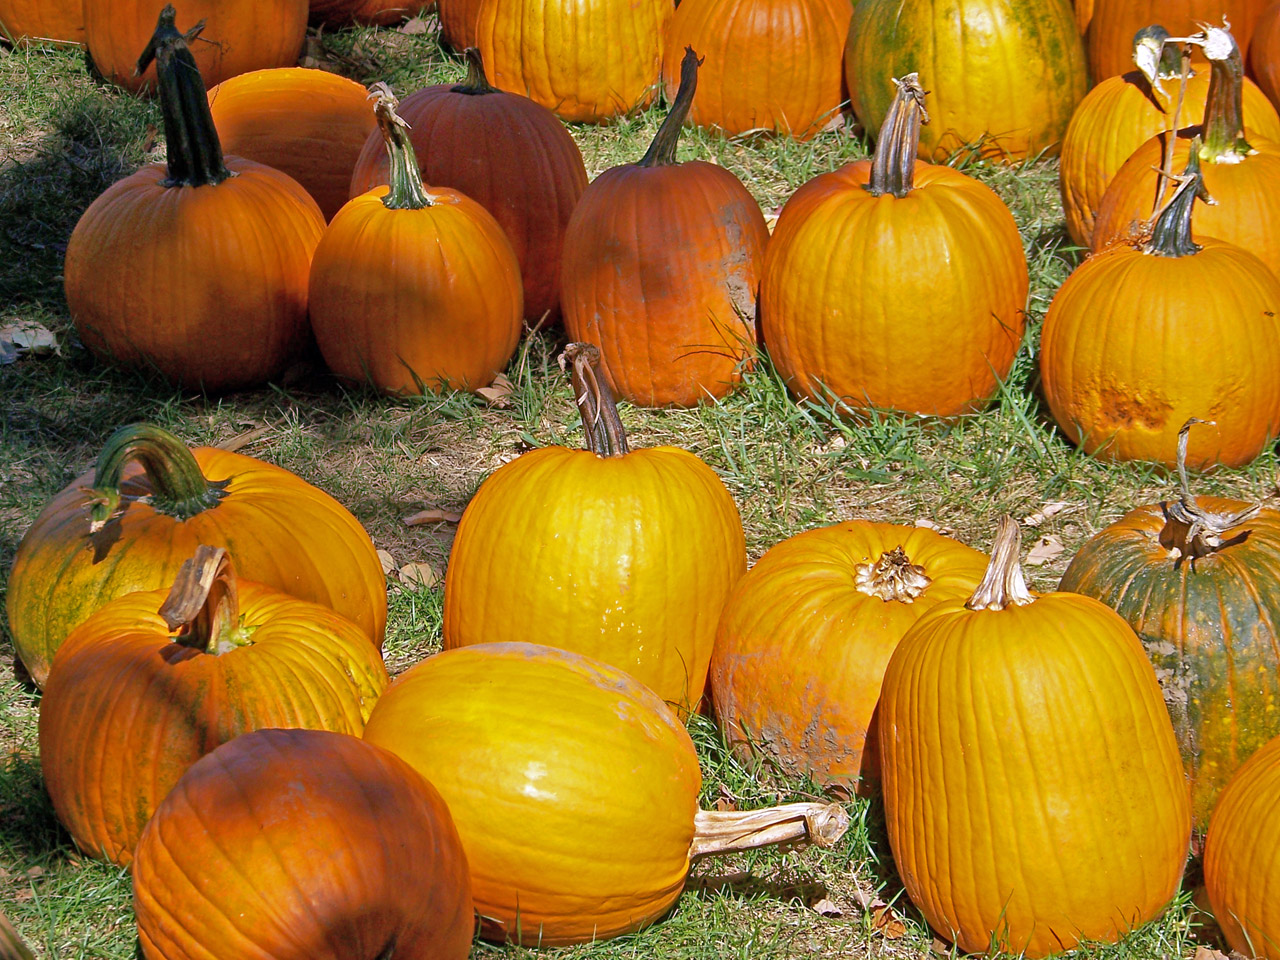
(1120,409)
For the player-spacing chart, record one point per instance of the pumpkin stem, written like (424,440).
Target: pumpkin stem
(1155,58)
(892,577)
(1002,584)
(1190,530)
(893,166)
(476,83)
(407,191)
(1223,128)
(192,150)
(203,606)
(662,151)
(605,436)
(179,488)
(1171,233)
(730,831)
(12,946)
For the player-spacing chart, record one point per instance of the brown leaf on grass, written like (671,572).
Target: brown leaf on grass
(431,515)
(414,27)
(935,527)
(419,576)
(1205,953)
(241,440)
(1044,513)
(1044,550)
(498,393)
(825,908)
(388,562)
(886,923)
(940,947)
(20,338)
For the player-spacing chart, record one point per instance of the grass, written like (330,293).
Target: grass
(64,138)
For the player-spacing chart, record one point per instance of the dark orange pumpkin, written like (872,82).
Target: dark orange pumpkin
(303,845)
(661,268)
(383,13)
(136,696)
(1114,22)
(415,289)
(528,174)
(1264,54)
(458,22)
(42,21)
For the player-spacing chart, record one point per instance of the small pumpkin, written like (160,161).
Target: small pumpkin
(156,679)
(579,822)
(303,845)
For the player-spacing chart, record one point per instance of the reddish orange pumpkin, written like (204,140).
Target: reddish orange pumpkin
(130,523)
(136,696)
(304,845)
(769,65)
(383,13)
(42,21)
(1264,54)
(310,124)
(458,22)
(1114,22)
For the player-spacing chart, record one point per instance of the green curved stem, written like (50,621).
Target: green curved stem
(662,151)
(407,191)
(893,165)
(476,84)
(605,436)
(1223,134)
(1171,232)
(179,488)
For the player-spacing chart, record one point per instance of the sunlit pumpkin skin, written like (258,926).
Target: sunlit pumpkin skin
(1003,75)
(278,528)
(310,124)
(1033,792)
(127,709)
(382,13)
(42,21)
(1114,22)
(806,635)
(1264,54)
(239,36)
(585,61)
(768,65)
(912,302)
(303,845)
(529,173)
(1242,857)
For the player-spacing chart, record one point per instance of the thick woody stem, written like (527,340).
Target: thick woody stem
(407,191)
(730,831)
(179,488)
(1190,530)
(662,150)
(893,165)
(203,605)
(605,436)
(476,83)
(1002,585)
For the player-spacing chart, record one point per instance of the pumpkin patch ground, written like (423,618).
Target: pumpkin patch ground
(406,468)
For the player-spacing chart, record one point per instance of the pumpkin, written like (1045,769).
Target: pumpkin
(383,13)
(415,289)
(624,555)
(303,845)
(1241,865)
(239,36)
(1242,176)
(310,124)
(585,60)
(1083,10)
(1033,793)
(661,268)
(893,283)
(529,174)
(1114,22)
(131,522)
(770,65)
(1004,75)
(195,269)
(578,822)
(1122,112)
(458,22)
(1125,338)
(12,946)
(1264,54)
(158,678)
(42,21)
(805,636)
(1198,579)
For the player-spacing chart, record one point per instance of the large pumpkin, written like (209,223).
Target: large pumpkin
(340,13)
(661,268)
(1198,579)
(578,822)
(156,679)
(304,845)
(1032,789)
(1114,22)
(626,556)
(1003,75)
(40,21)
(131,522)
(806,634)
(1264,54)
(894,283)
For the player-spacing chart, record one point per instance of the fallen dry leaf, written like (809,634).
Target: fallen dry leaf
(240,440)
(1044,513)
(1205,953)
(886,923)
(414,27)
(1044,550)
(20,337)
(498,393)
(431,515)
(419,576)
(388,562)
(825,908)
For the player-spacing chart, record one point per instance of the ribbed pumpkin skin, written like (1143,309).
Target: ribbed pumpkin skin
(126,710)
(311,124)
(278,528)
(239,36)
(458,22)
(1007,72)
(801,649)
(303,845)
(1116,118)
(383,13)
(585,60)
(1242,857)
(40,20)
(1117,394)
(1032,787)
(661,270)
(205,285)
(1209,628)
(766,64)
(1264,54)
(913,304)
(414,300)
(529,173)
(625,559)
(577,820)
(1114,22)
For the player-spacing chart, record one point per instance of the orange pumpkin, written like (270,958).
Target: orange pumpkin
(383,13)
(136,696)
(415,289)
(893,283)
(661,268)
(130,523)
(1033,791)
(41,21)
(1114,22)
(458,22)
(1264,54)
